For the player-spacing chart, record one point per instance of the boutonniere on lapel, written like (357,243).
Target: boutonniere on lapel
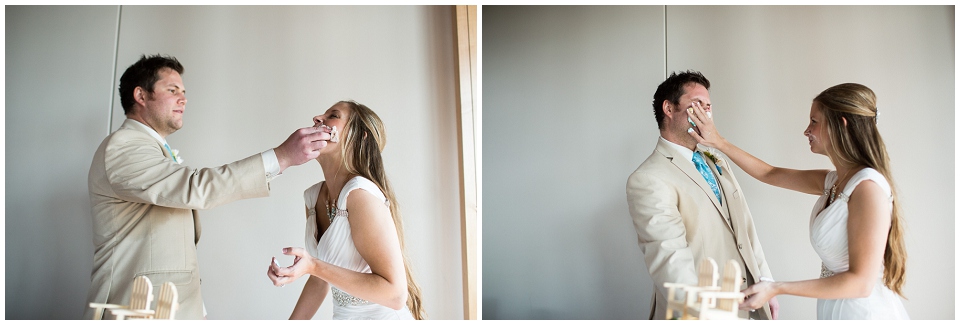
(717,161)
(175,153)
(178,159)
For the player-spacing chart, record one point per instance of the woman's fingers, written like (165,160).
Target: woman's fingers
(700,115)
(701,112)
(752,303)
(283,275)
(695,116)
(755,297)
(707,133)
(276,279)
(295,251)
(695,135)
(698,120)
(749,296)
(278,275)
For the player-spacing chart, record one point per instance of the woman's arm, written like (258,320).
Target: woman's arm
(806,181)
(867,227)
(375,236)
(315,291)
(310,299)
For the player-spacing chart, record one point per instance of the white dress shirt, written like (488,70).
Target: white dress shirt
(686,153)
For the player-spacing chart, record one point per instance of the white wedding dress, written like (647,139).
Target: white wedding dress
(828,234)
(336,247)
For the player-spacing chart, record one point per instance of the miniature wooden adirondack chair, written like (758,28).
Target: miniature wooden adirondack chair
(707,281)
(724,304)
(706,300)
(141,294)
(166,305)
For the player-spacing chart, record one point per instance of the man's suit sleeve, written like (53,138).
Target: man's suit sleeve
(660,230)
(138,171)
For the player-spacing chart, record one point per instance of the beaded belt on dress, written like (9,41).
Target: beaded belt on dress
(345,299)
(824,272)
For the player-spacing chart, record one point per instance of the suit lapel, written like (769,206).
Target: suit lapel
(691,171)
(131,124)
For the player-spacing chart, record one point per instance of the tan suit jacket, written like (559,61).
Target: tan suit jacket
(144,215)
(679,222)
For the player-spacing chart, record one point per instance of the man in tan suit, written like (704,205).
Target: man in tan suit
(680,215)
(144,201)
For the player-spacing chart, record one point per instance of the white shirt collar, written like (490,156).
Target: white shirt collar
(686,153)
(149,130)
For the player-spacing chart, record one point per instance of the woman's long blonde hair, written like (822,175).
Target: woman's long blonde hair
(362,143)
(858,142)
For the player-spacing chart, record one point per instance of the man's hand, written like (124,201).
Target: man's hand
(302,146)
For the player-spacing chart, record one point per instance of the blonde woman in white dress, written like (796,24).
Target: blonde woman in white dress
(354,233)
(856,225)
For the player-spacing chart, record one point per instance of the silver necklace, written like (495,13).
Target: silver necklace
(331,211)
(332,206)
(833,189)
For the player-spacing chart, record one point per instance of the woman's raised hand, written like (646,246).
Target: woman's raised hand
(708,134)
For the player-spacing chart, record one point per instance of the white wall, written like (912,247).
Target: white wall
(59,62)
(255,74)
(568,115)
(566,121)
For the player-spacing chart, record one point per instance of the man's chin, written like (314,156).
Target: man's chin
(688,139)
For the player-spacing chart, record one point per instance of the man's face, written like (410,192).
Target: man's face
(163,108)
(692,93)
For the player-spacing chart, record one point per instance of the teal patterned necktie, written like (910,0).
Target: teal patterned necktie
(705,172)
(170,151)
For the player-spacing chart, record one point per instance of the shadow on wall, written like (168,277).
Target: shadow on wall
(616,286)
(625,286)
(491,311)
